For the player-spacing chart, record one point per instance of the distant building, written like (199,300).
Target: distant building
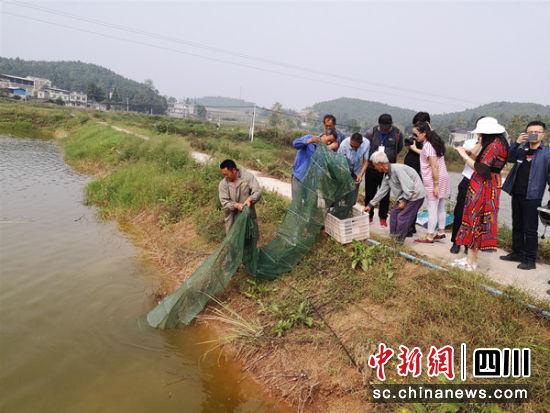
(32,85)
(180,110)
(78,99)
(52,93)
(17,91)
(97,106)
(40,88)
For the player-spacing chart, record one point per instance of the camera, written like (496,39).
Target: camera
(409,141)
(532,137)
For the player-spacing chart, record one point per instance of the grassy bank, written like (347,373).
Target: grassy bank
(283,330)
(39,121)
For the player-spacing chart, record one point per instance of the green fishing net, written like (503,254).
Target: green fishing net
(327,187)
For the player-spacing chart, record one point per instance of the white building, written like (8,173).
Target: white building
(52,93)
(32,85)
(180,110)
(78,99)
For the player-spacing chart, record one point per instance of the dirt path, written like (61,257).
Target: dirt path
(534,282)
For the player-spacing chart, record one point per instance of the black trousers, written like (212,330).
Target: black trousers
(373,180)
(525,223)
(459,207)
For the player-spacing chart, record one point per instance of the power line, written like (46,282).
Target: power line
(221,60)
(224,51)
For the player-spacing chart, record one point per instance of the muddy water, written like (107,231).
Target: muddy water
(73,292)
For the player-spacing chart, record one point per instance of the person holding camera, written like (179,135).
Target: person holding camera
(412,158)
(526,184)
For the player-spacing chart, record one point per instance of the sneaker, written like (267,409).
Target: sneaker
(459,262)
(512,257)
(440,236)
(455,249)
(383,222)
(463,264)
(424,241)
(528,265)
(470,267)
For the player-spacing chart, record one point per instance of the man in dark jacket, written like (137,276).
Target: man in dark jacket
(384,137)
(526,183)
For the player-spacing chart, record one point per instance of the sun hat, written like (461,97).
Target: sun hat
(488,125)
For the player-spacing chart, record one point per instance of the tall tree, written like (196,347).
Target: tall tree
(275,118)
(201,112)
(95,93)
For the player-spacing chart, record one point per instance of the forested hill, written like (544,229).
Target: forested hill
(503,111)
(222,101)
(365,113)
(95,80)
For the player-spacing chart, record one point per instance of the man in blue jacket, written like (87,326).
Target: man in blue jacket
(305,148)
(526,184)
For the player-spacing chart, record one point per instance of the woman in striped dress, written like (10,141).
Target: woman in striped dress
(435,178)
(478,230)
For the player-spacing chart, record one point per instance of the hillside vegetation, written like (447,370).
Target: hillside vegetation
(78,76)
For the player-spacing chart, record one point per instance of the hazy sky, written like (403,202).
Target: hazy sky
(437,56)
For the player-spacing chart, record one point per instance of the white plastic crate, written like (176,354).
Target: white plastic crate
(346,230)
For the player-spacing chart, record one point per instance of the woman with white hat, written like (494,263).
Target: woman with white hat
(478,230)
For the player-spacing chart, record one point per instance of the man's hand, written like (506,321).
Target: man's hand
(238,206)
(367,208)
(248,202)
(522,138)
(358,179)
(313,139)
(402,204)
(333,146)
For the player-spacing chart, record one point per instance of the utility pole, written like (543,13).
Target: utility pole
(252,126)
(127,105)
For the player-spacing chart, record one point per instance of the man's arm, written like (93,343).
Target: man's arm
(513,152)
(255,191)
(365,157)
(301,143)
(225,199)
(435,174)
(381,193)
(406,180)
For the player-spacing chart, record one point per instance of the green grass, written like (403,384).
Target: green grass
(38,121)
(401,303)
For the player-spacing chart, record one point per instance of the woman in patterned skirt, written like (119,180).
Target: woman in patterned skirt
(478,230)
